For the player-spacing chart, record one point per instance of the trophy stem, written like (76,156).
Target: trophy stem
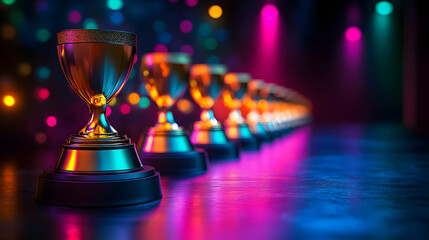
(235,117)
(98,124)
(166,120)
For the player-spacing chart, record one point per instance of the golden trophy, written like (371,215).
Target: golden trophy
(268,109)
(206,83)
(165,145)
(250,110)
(236,128)
(98,167)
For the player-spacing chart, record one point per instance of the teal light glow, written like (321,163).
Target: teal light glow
(384,8)
(8,2)
(43,73)
(90,24)
(115,4)
(204,29)
(144,102)
(43,35)
(159,26)
(210,44)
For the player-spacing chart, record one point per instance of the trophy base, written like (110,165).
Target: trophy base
(247,144)
(190,162)
(263,138)
(223,151)
(99,189)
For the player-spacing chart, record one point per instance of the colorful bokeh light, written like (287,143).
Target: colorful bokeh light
(43,35)
(213,59)
(384,8)
(353,34)
(210,44)
(43,73)
(191,3)
(215,11)
(185,106)
(133,98)
(51,121)
(186,26)
(8,2)
(164,38)
(43,93)
(116,17)
(24,69)
(161,48)
(125,108)
(75,16)
(204,29)
(8,31)
(187,49)
(159,26)
(108,111)
(40,137)
(90,23)
(144,102)
(112,102)
(115,4)
(269,12)
(9,101)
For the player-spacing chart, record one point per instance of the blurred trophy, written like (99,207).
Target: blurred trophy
(98,167)
(268,109)
(206,83)
(250,110)
(165,145)
(236,127)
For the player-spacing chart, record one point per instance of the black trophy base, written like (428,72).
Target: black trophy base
(190,162)
(247,144)
(223,151)
(263,138)
(99,190)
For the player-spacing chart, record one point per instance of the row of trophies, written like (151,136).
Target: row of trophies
(99,168)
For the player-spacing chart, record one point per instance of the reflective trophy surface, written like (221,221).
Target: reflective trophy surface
(267,109)
(250,110)
(206,82)
(165,145)
(236,128)
(97,167)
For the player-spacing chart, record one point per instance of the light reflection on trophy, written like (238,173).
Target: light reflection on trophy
(250,110)
(98,167)
(236,127)
(206,82)
(165,145)
(267,110)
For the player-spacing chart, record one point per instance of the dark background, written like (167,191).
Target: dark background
(346,81)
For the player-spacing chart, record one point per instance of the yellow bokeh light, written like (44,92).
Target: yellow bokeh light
(8,31)
(24,69)
(9,100)
(133,98)
(215,11)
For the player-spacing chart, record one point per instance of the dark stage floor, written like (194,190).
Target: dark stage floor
(319,182)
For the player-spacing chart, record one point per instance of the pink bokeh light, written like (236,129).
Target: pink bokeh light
(51,121)
(353,34)
(108,111)
(187,49)
(269,13)
(186,26)
(161,48)
(75,16)
(43,93)
(191,3)
(125,109)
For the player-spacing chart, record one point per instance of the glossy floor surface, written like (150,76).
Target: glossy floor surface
(318,182)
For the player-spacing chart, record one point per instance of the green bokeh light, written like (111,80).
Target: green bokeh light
(144,102)
(115,4)
(43,35)
(8,2)
(384,8)
(90,24)
(210,44)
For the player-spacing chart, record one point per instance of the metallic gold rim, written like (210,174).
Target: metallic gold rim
(96,35)
(171,57)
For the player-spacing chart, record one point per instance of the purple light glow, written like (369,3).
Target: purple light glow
(353,34)
(191,3)
(187,49)
(125,108)
(186,26)
(160,48)
(75,16)
(51,121)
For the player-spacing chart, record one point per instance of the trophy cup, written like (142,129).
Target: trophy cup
(236,128)
(97,167)
(165,145)
(267,109)
(206,83)
(250,103)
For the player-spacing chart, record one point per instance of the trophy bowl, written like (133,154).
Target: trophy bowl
(251,113)
(206,83)
(97,167)
(166,145)
(236,128)
(269,112)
